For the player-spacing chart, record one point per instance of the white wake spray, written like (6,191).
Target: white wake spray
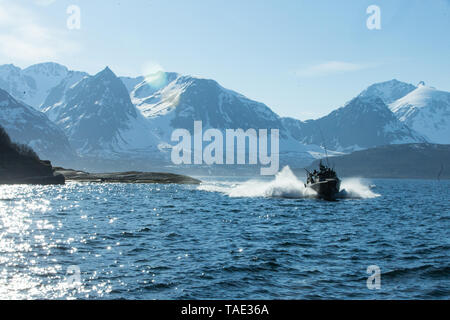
(285,185)
(355,188)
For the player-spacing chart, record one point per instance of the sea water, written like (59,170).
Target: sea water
(229,238)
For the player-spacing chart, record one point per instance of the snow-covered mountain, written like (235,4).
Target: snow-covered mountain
(142,89)
(108,117)
(26,125)
(422,108)
(187,99)
(362,123)
(388,91)
(177,101)
(33,84)
(57,93)
(98,117)
(427,111)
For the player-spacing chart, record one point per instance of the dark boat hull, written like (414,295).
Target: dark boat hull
(327,189)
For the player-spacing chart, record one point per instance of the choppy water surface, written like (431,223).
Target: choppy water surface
(226,239)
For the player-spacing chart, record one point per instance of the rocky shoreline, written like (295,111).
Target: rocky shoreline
(125,177)
(48,177)
(19,164)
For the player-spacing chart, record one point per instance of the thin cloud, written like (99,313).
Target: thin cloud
(329,68)
(25,40)
(44,2)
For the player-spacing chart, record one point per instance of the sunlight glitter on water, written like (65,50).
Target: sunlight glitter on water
(178,241)
(27,228)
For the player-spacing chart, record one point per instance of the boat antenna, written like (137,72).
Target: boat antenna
(324,145)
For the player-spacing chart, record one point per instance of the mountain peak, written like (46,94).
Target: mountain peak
(389,91)
(421,84)
(31,85)
(96,113)
(9,68)
(364,122)
(49,68)
(389,82)
(427,111)
(106,73)
(31,127)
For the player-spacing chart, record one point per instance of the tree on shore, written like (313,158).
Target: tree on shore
(22,149)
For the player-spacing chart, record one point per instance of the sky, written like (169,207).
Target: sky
(301,58)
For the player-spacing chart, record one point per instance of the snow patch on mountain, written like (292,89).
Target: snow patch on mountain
(364,122)
(426,110)
(33,84)
(98,117)
(185,99)
(109,117)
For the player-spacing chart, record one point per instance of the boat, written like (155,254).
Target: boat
(324,182)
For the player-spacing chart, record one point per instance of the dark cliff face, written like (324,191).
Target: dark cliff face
(20,164)
(31,127)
